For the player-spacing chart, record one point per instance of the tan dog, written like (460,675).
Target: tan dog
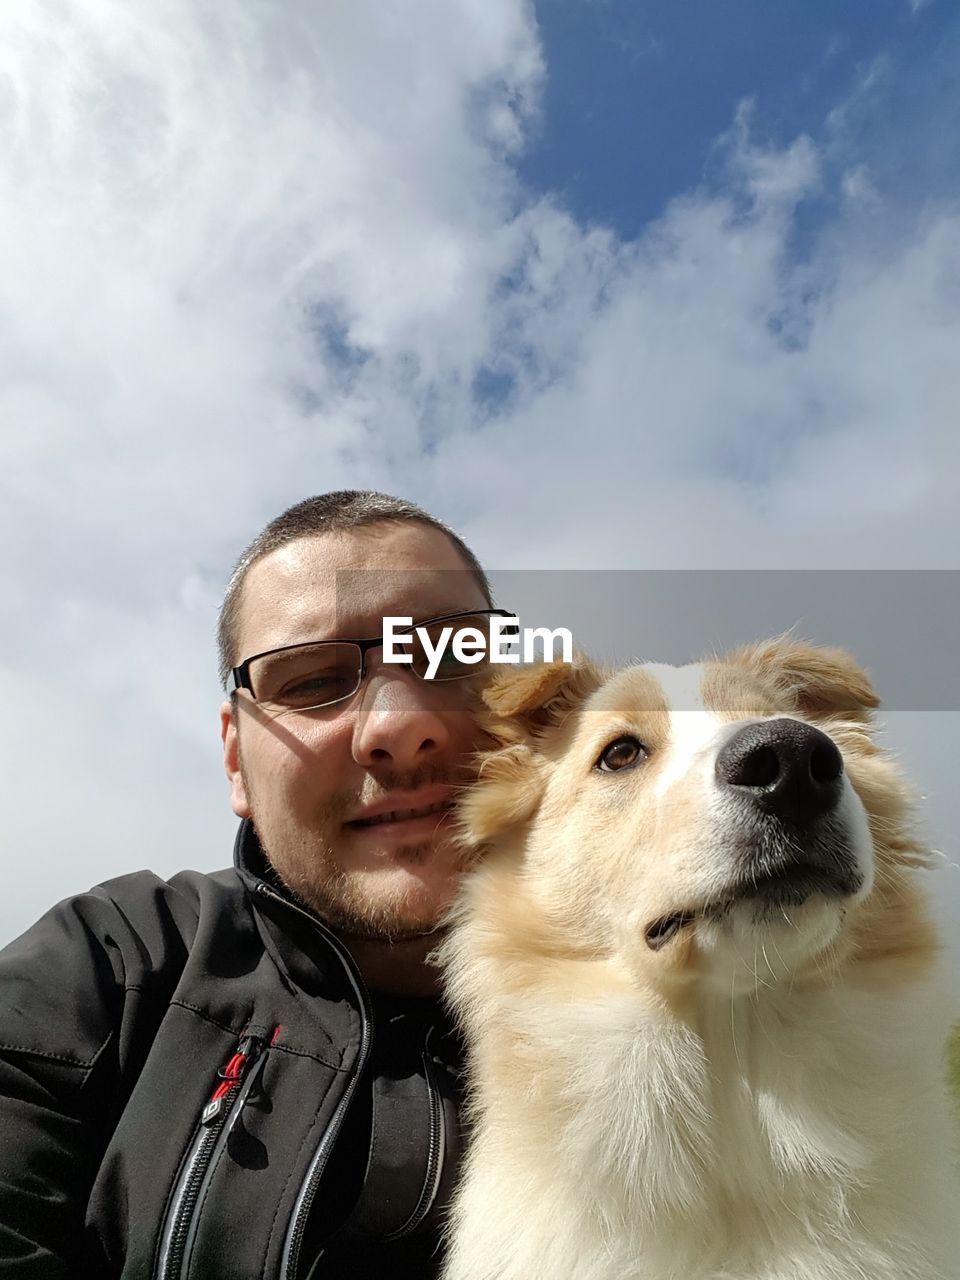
(699,984)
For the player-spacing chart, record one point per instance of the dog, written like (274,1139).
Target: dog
(699,984)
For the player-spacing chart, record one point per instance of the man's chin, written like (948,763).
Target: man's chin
(391,933)
(385,890)
(403,898)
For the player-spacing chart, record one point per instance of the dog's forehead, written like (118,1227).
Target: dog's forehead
(658,687)
(632,689)
(682,688)
(691,707)
(718,690)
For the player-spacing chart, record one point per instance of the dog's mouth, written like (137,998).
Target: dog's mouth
(790,886)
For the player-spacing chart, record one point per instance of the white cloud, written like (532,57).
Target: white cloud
(267,252)
(196,201)
(186,191)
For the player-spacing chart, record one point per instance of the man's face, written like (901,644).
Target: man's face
(309,779)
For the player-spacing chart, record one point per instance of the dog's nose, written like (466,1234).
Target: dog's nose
(785,767)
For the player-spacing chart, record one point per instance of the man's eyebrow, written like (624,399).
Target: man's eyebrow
(364,632)
(352,629)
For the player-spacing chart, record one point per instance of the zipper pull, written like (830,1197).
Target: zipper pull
(247,1050)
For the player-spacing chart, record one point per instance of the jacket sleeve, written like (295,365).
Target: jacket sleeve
(71,1005)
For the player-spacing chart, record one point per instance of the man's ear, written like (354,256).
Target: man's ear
(231,759)
(821,682)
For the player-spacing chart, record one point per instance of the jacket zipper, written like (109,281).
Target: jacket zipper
(293,1241)
(435,1151)
(216,1120)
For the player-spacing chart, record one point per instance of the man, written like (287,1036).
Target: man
(249,1073)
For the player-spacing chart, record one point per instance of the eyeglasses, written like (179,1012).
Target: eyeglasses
(301,677)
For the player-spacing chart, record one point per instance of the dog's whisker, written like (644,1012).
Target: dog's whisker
(766,960)
(733,1019)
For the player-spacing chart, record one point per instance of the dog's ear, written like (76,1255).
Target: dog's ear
(821,682)
(524,701)
(521,705)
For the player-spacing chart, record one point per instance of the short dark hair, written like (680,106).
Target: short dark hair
(325,513)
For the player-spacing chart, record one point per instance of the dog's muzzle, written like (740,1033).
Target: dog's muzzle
(784,783)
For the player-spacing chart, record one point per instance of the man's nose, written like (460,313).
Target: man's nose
(398,723)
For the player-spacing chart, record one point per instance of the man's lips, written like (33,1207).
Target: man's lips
(400,815)
(400,807)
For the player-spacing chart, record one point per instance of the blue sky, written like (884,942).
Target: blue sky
(638,93)
(536,267)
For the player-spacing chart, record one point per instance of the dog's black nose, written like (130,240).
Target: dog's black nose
(785,767)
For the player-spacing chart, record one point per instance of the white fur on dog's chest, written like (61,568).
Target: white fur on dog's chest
(753,1145)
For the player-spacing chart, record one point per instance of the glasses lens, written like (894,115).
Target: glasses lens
(311,675)
(473,631)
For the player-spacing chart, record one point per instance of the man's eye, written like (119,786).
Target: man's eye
(297,692)
(622,753)
(310,686)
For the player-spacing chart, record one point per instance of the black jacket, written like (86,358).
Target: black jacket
(180,1062)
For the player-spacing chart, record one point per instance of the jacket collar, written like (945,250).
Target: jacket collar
(249,858)
(304,947)
(256,871)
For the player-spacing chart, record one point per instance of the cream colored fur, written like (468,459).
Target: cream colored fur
(758,1100)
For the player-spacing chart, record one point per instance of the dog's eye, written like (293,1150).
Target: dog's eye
(621,753)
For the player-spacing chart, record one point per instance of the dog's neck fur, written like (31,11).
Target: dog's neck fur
(713,1145)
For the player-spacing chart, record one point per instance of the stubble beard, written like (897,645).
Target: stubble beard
(347,901)
(352,901)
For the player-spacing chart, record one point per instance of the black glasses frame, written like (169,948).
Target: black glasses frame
(239,677)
